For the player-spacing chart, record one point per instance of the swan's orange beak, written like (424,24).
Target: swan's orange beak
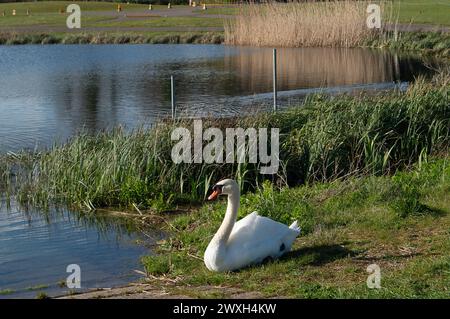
(214,194)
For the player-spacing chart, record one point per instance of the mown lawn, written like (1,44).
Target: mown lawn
(56,6)
(401,223)
(48,14)
(159,22)
(435,12)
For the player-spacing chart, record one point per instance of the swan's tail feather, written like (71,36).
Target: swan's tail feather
(294,226)
(290,237)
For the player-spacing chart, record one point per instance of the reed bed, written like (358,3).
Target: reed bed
(300,24)
(325,139)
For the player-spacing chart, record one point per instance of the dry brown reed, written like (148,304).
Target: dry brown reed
(300,24)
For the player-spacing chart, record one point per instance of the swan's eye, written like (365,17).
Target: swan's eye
(217,188)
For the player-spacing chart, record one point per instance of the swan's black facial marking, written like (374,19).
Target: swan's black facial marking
(217,190)
(282,247)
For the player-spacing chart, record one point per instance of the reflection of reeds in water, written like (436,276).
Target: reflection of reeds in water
(313,67)
(299,24)
(107,225)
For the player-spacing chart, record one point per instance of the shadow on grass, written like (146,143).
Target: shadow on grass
(319,255)
(433,211)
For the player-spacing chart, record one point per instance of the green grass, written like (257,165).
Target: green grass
(51,20)
(56,6)
(48,14)
(59,20)
(434,12)
(161,22)
(324,140)
(113,38)
(346,226)
(222,10)
(434,43)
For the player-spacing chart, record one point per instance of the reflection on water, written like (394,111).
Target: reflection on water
(48,93)
(317,68)
(36,247)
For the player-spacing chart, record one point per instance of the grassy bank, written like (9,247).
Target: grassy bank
(432,43)
(325,139)
(112,38)
(401,223)
(424,43)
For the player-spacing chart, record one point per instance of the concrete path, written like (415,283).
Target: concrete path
(149,291)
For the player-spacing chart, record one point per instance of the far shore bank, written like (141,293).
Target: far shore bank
(428,43)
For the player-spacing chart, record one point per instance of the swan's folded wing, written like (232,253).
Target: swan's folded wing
(245,222)
(253,230)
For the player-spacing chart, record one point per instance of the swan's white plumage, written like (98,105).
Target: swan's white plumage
(255,238)
(251,240)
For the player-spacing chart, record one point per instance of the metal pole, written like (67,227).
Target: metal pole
(172,95)
(274,79)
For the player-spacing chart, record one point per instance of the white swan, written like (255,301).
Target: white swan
(248,241)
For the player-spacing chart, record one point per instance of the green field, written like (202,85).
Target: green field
(48,14)
(49,7)
(159,22)
(436,12)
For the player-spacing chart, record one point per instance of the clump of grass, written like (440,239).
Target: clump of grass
(300,24)
(324,140)
(42,295)
(409,199)
(156,265)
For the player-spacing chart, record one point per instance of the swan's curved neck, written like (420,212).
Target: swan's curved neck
(229,220)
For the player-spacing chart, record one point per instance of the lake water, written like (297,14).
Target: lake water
(37,247)
(48,93)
